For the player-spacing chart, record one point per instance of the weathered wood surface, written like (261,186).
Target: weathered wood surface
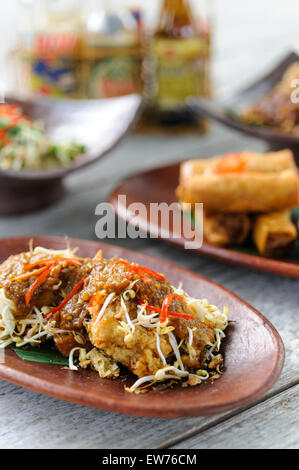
(30,420)
(278,414)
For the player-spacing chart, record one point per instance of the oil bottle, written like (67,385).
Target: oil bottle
(178,64)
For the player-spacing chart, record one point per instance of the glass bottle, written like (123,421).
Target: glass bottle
(111,53)
(179,53)
(49,48)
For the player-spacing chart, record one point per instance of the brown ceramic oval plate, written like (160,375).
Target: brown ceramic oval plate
(253,352)
(158,185)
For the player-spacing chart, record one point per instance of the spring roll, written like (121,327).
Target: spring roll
(262,162)
(274,233)
(222,229)
(242,192)
(225,229)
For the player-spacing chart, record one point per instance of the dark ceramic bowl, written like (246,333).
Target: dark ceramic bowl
(226,111)
(98,124)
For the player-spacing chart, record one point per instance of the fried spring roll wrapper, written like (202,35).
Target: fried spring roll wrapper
(274,233)
(225,229)
(264,162)
(242,192)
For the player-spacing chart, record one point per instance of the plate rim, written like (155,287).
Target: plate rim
(43,386)
(259,263)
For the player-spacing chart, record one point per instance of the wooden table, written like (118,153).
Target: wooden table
(246,44)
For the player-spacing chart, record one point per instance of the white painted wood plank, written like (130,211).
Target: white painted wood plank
(273,424)
(51,423)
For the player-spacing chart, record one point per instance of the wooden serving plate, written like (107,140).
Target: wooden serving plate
(253,352)
(158,185)
(98,124)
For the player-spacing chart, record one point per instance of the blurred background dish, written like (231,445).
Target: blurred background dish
(98,125)
(231,111)
(244,195)
(278,108)
(158,185)
(25,145)
(102,49)
(70,61)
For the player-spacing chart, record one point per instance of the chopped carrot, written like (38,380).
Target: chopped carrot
(54,261)
(27,275)
(231,163)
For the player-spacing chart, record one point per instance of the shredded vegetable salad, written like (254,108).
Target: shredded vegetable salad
(25,145)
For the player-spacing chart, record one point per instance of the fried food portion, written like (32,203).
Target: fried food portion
(203,333)
(226,229)
(127,326)
(246,192)
(251,161)
(16,287)
(108,312)
(42,279)
(132,345)
(241,182)
(242,193)
(274,233)
(136,349)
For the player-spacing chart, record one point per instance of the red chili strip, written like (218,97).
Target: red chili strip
(157,276)
(132,269)
(90,304)
(166,302)
(174,314)
(128,265)
(68,298)
(40,280)
(139,270)
(182,315)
